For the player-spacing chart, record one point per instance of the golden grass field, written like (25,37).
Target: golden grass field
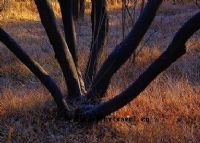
(167,111)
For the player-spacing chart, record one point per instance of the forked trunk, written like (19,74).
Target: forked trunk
(70,36)
(123,51)
(62,52)
(175,50)
(65,53)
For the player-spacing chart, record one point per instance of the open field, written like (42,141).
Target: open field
(167,111)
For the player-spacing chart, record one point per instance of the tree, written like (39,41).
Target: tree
(82,8)
(91,108)
(78,8)
(99,18)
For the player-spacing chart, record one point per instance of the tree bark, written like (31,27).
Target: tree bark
(82,8)
(76,9)
(37,70)
(70,36)
(99,18)
(175,50)
(69,28)
(62,53)
(123,51)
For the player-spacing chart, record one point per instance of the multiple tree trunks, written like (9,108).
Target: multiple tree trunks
(62,52)
(123,51)
(65,53)
(70,36)
(99,18)
(78,8)
(175,50)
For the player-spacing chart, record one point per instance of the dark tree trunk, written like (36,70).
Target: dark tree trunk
(69,28)
(36,69)
(82,8)
(67,59)
(70,36)
(76,9)
(99,18)
(123,51)
(175,50)
(62,53)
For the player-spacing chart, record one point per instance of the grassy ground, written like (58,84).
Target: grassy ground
(167,111)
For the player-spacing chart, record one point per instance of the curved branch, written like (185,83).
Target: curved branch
(175,50)
(123,51)
(36,69)
(60,47)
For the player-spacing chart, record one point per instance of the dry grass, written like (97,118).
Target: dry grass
(167,111)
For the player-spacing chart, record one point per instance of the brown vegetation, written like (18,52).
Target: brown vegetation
(167,111)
